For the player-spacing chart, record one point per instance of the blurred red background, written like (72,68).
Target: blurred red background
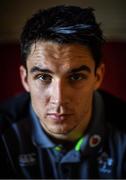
(114,56)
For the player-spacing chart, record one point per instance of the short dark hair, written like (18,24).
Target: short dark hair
(63,24)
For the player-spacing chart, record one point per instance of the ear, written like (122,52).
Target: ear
(99,74)
(24,78)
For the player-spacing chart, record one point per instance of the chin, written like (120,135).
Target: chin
(63,131)
(61,136)
(59,131)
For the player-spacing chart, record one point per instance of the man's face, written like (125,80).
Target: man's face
(61,80)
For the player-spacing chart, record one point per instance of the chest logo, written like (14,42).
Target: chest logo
(105,163)
(94,140)
(27,159)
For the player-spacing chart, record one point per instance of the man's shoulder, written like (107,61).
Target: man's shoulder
(110,99)
(15,104)
(115,110)
(13,109)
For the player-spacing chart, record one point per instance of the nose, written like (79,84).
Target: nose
(60,93)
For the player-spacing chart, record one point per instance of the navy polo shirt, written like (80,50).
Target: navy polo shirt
(57,162)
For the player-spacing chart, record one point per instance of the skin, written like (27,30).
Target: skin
(61,80)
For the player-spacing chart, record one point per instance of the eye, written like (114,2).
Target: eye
(44,77)
(77,77)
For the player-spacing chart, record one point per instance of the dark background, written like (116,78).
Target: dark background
(112,14)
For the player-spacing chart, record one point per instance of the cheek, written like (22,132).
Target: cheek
(39,98)
(39,103)
(38,92)
(84,93)
(83,99)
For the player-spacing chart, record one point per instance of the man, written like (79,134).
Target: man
(63,127)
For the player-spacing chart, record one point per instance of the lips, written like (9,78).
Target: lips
(58,117)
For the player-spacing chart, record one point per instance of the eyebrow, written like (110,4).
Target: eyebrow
(38,69)
(75,70)
(81,68)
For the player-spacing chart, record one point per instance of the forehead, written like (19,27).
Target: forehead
(57,55)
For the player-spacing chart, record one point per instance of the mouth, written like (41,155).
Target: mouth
(58,117)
